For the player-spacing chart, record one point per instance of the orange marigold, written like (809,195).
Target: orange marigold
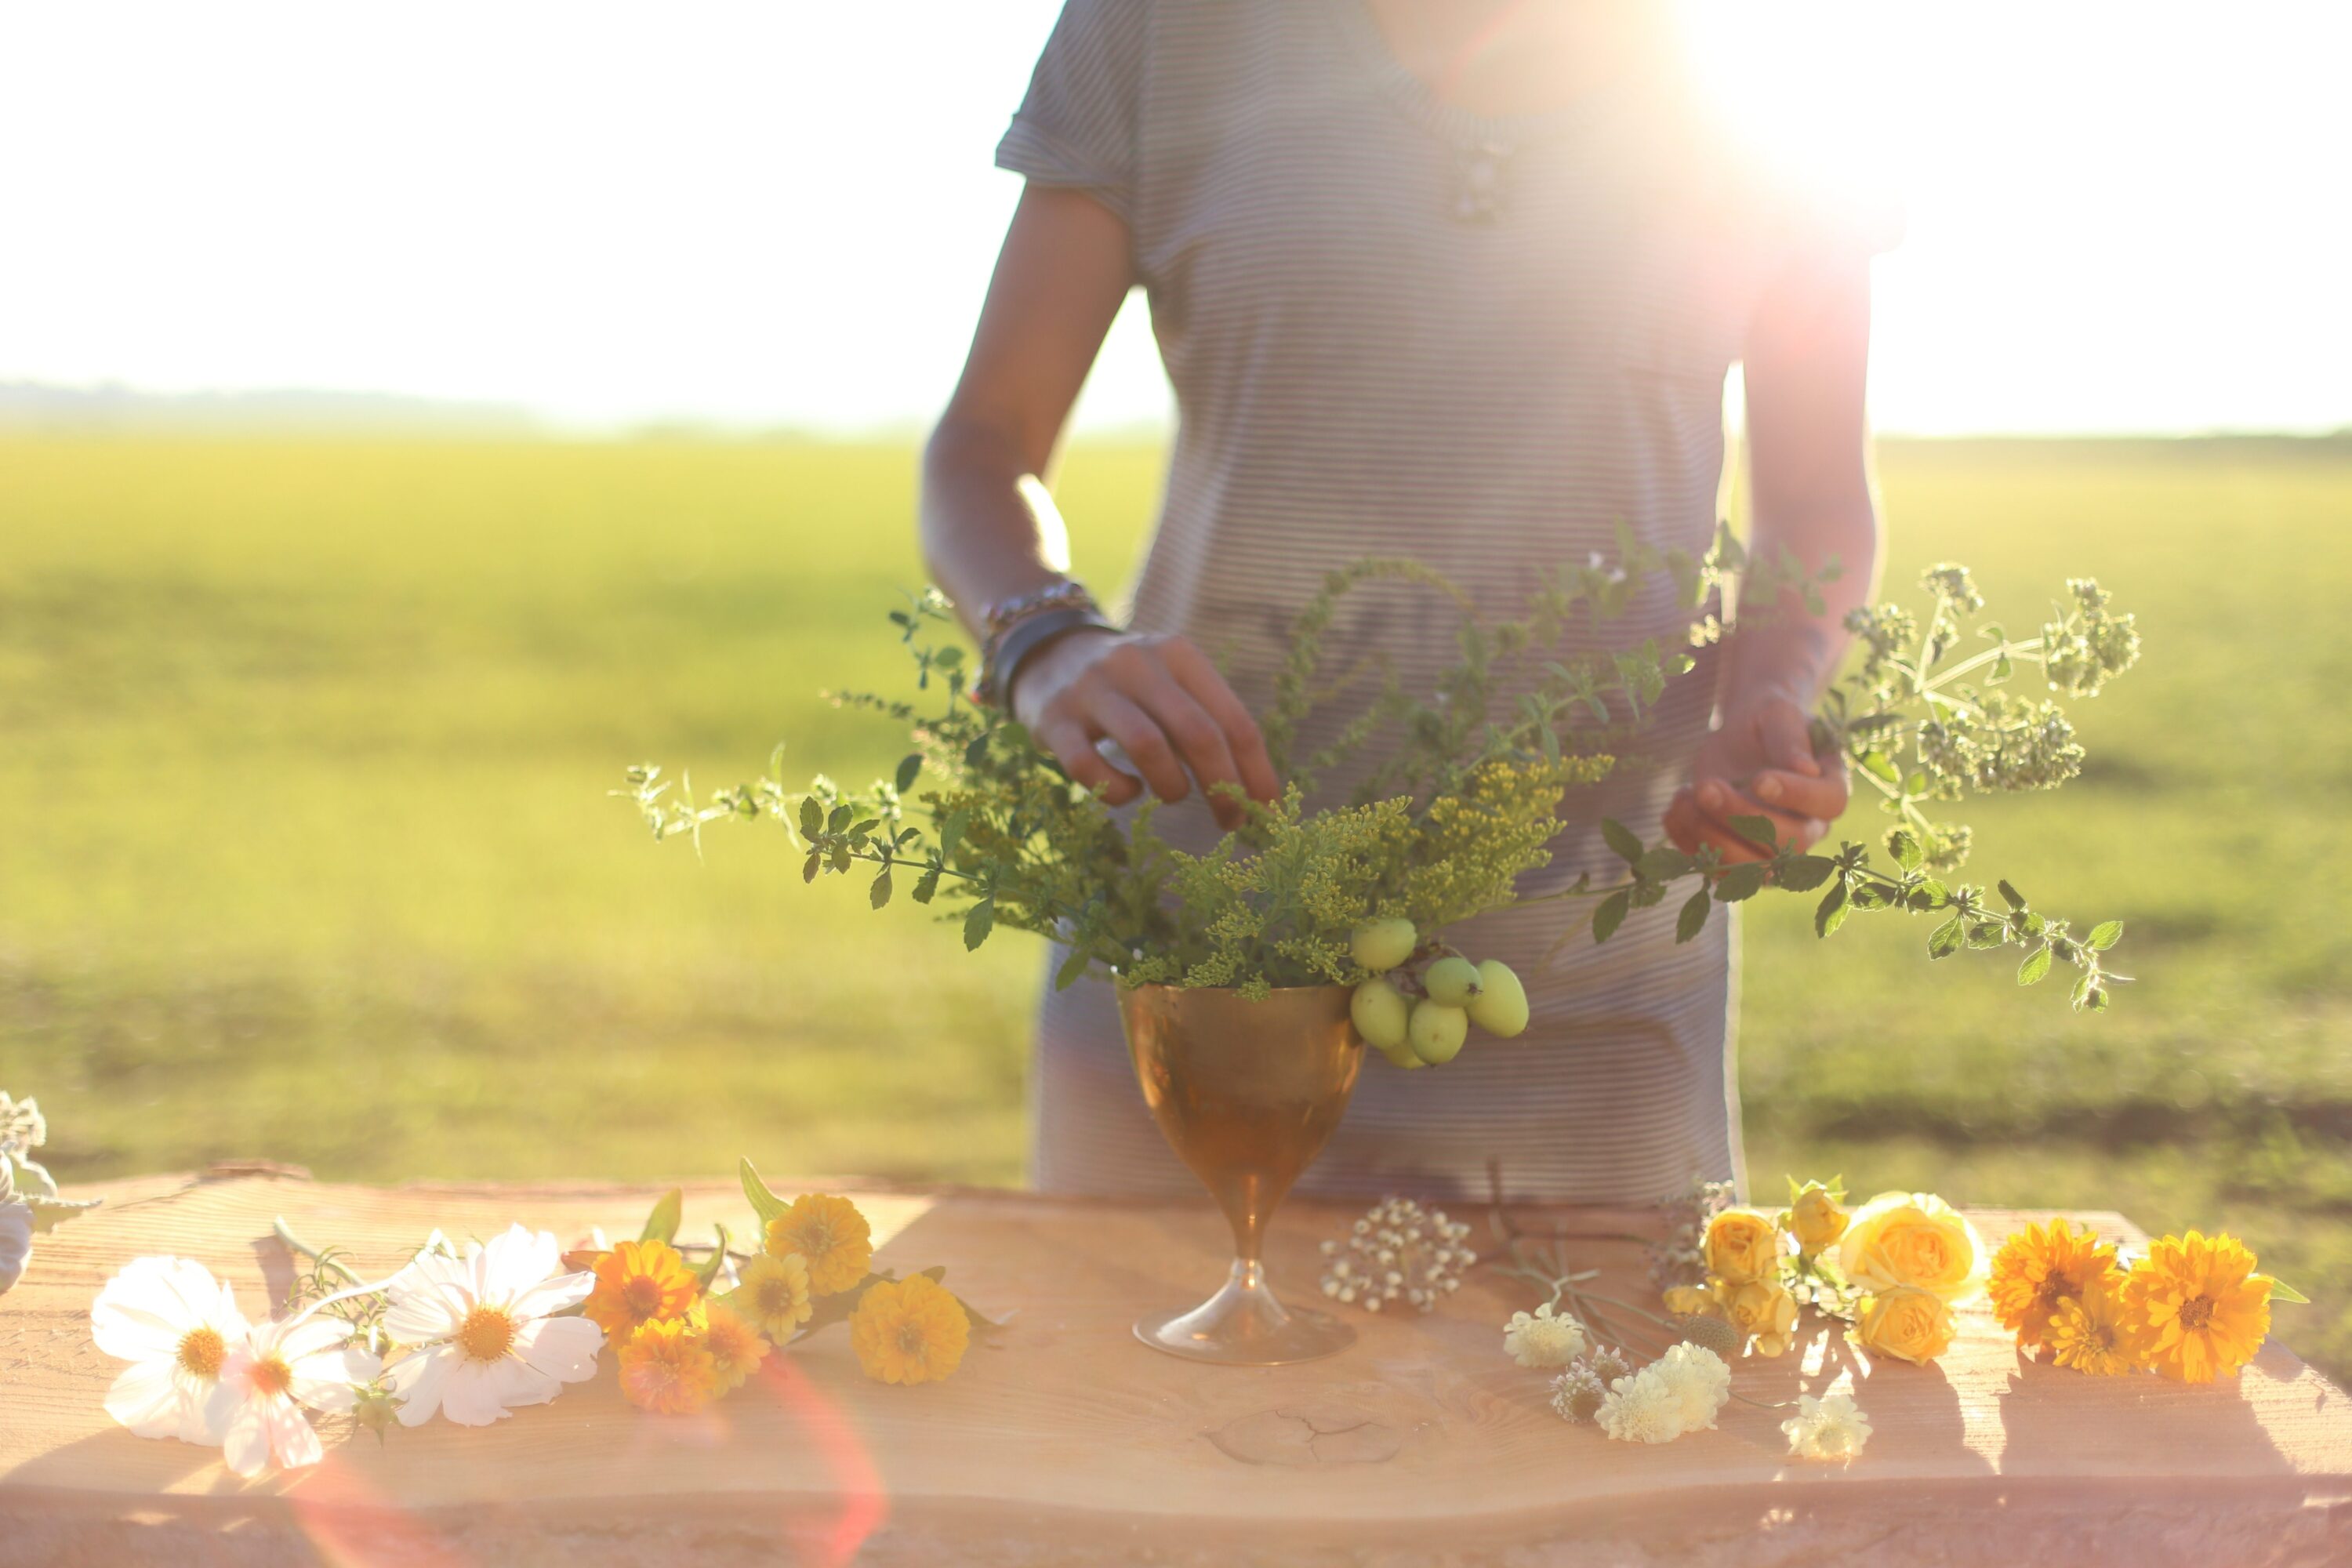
(666,1367)
(909,1330)
(2194,1309)
(2087,1333)
(639,1282)
(735,1346)
(831,1236)
(2040,1267)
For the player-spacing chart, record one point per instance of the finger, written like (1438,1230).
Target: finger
(1719,802)
(1193,671)
(1198,740)
(1682,822)
(1787,739)
(1824,797)
(1074,747)
(1144,742)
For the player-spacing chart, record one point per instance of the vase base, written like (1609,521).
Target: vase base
(1243,1325)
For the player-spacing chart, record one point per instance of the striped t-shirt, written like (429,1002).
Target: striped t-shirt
(1397,328)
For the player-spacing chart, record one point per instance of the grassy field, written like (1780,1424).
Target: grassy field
(302,747)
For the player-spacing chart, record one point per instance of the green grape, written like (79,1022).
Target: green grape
(1383,944)
(1379,1011)
(1453,981)
(1437,1031)
(1403,1056)
(1501,1006)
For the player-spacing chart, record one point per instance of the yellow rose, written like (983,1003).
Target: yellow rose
(1906,1322)
(1691,1301)
(1914,1238)
(1764,1312)
(1742,1246)
(1815,1218)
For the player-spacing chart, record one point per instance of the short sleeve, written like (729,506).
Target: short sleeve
(1075,129)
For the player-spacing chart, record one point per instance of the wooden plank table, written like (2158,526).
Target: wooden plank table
(1063,1440)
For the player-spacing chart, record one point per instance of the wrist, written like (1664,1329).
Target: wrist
(1022,646)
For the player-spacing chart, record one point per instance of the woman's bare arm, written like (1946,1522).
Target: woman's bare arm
(1806,367)
(990,530)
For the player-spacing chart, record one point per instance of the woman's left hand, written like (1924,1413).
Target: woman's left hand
(1761,763)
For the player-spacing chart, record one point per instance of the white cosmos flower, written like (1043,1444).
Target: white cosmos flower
(483,1331)
(276,1369)
(175,1324)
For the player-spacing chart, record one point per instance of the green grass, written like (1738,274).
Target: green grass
(307,857)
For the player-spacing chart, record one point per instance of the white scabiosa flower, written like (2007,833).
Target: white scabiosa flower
(1641,1408)
(484,1329)
(270,1375)
(1541,1339)
(1829,1428)
(1699,1379)
(175,1324)
(1577,1392)
(15,1239)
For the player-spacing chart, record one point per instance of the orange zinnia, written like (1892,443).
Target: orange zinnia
(666,1367)
(2040,1266)
(2194,1307)
(639,1282)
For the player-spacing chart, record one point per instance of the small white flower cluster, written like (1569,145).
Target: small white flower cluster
(1398,1252)
(1831,1427)
(1541,1339)
(1679,1256)
(1680,1391)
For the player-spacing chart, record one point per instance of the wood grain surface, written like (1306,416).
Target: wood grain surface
(1063,1440)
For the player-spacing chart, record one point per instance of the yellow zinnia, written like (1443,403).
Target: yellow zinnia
(735,1346)
(774,1295)
(2040,1267)
(2087,1333)
(666,1367)
(2194,1309)
(908,1330)
(831,1236)
(639,1282)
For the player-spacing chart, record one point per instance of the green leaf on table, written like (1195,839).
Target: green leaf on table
(1741,883)
(1611,914)
(2104,936)
(2036,965)
(937,1275)
(2282,1292)
(1945,940)
(1832,912)
(717,1260)
(1693,919)
(662,1223)
(1620,838)
(1756,830)
(978,921)
(50,1212)
(764,1204)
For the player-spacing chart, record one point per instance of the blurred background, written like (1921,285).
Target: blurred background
(409,416)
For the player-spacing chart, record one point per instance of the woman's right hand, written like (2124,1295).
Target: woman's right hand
(1161,701)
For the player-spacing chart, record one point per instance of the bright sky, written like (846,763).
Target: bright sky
(2123,215)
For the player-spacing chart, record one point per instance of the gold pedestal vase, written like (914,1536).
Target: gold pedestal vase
(1247,1093)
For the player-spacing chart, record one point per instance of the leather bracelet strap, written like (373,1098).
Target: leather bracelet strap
(1024,637)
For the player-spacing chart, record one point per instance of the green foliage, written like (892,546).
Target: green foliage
(1468,796)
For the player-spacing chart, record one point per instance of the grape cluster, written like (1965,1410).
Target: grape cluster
(1428,1028)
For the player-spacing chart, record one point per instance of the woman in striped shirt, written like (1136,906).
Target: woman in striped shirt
(1458,280)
